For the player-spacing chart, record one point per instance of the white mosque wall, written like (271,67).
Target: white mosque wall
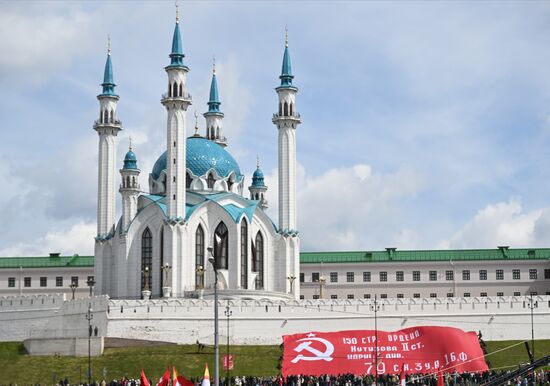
(263,321)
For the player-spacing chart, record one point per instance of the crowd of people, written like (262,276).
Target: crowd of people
(542,378)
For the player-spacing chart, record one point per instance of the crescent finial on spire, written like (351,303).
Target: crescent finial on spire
(177,12)
(108,44)
(286,36)
(257,161)
(213,64)
(130,142)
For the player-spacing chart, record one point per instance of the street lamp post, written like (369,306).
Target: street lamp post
(375,309)
(322,282)
(91,283)
(89,317)
(166,289)
(291,279)
(73,287)
(146,292)
(200,273)
(228,313)
(532,305)
(212,261)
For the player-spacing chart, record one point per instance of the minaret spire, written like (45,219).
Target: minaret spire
(214,116)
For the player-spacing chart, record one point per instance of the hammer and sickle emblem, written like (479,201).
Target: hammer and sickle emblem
(317,355)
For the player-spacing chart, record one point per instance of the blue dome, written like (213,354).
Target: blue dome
(203,155)
(258,178)
(130,160)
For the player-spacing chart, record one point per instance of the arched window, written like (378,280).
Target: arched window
(161,272)
(188,181)
(105,116)
(210,181)
(134,185)
(181,89)
(280,108)
(221,237)
(128,181)
(169,90)
(146,259)
(217,132)
(258,262)
(111,118)
(199,258)
(244,254)
(291,108)
(285,110)
(175,91)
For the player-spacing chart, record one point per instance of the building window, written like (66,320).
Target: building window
(399,276)
(416,275)
(500,274)
(351,296)
(199,258)
(74,280)
(302,297)
(11,282)
(466,294)
(366,276)
(466,274)
(433,275)
(383,276)
(449,275)
(302,277)
(366,296)
(450,295)
(244,254)
(350,277)
(483,294)
(482,274)
(221,236)
(547,273)
(433,295)
(210,181)
(500,293)
(315,297)
(59,281)
(416,296)
(89,279)
(400,296)
(146,259)
(27,282)
(383,296)
(517,293)
(533,293)
(334,277)
(533,274)
(315,277)
(516,274)
(334,297)
(258,256)
(43,281)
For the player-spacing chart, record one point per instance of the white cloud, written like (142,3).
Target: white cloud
(503,223)
(76,239)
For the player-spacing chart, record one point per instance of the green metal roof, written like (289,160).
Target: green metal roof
(47,261)
(394,255)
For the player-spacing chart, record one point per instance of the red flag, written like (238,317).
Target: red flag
(165,379)
(144,380)
(180,380)
(440,381)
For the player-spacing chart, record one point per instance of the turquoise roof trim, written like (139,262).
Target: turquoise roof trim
(108,82)
(130,161)
(392,255)
(286,72)
(214,101)
(177,54)
(201,156)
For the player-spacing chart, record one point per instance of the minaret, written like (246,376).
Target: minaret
(214,117)
(129,188)
(107,127)
(286,120)
(176,101)
(258,187)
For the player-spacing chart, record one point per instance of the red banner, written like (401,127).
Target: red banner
(411,350)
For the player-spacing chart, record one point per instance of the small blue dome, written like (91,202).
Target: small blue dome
(201,156)
(258,178)
(130,160)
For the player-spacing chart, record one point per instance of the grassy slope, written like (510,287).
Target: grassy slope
(17,367)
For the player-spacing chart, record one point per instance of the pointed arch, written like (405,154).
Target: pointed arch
(210,180)
(181,90)
(169,90)
(146,258)
(285,109)
(128,181)
(111,116)
(291,108)
(244,254)
(175,90)
(188,181)
(105,116)
(218,132)
(221,243)
(199,258)
(280,108)
(258,260)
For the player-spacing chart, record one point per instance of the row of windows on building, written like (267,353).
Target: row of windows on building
(417,295)
(43,280)
(432,275)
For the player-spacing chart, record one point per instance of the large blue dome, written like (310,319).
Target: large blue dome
(203,155)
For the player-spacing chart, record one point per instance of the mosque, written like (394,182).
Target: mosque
(197,214)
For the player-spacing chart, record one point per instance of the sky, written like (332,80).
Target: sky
(426,125)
